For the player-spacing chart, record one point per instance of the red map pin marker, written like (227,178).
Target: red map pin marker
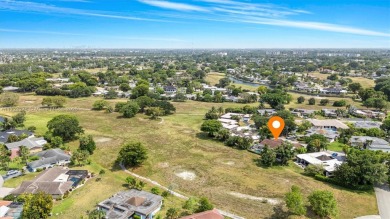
(276,126)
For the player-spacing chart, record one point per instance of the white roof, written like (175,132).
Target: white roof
(329,165)
(328,122)
(229,115)
(3,210)
(229,121)
(227,126)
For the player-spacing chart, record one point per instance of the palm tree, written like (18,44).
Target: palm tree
(220,111)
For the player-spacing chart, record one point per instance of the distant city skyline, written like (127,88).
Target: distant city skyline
(198,24)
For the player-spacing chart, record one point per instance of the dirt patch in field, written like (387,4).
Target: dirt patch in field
(29,101)
(102,139)
(186,175)
(163,165)
(272,201)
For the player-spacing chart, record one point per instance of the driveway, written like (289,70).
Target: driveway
(382,193)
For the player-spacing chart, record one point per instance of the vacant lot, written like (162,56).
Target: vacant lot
(214,77)
(226,176)
(305,105)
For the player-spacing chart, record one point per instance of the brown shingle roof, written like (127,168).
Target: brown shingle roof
(272,143)
(136,201)
(212,214)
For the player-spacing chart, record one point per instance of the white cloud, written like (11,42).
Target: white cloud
(173,5)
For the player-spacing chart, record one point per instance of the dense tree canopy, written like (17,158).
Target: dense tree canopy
(65,126)
(132,154)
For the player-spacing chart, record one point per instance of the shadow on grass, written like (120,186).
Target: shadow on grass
(279,213)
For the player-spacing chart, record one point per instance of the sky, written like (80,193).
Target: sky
(195,24)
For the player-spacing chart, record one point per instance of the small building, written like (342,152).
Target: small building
(330,134)
(212,214)
(331,113)
(327,159)
(170,89)
(10,89)
(367,124)
(333,90)
(266,112)
(327,124)
(303,112)
(10,210)
(32,143)
(370,143)
(48,159)
(127,204)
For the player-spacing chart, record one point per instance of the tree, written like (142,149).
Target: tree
(172,213)
(262,90)
(140,90)
(363,167)
(339,103)
(294,201)
(87,143)
(267,156)
(284,153)
(131,182)
(165,105)
(99,104)
(323,203)
(111,94)
(65,126)
(238,142)
(223,82)
(333,77)
(97,214)
(312,101)
(191,205)
(124,87)
(4,157)
(204,205)
(386,126)
(9,99)
(211,127)
(37,205)
(80,157)
(354,87)
(324,102)
(19,118)
(24,152)
(154,112)
(301,99)
(56,142)
(144,102)
(130,109)
(132,154)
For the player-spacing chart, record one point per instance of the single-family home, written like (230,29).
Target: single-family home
(333,90)
(10,89)
(266,112)
(10,210)
(32,143)
(327,159)
(331,113)
(5,134)
(367,124)
(127,204)
(170,89)
(370,143)
(303,112)
(55,181)
(211,214)
(49,158)
(330,134)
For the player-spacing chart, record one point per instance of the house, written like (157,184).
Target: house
(370,143)
(127,204)
(327,159)
(211,214)
(327,124)
(5,134)
(266,112)
(333,90)
(55,181)
(331,113)
(367,124)
(32,143)
(48,159)
(330,134)
(170,89)
(10,210)
(10,89)
(302,112)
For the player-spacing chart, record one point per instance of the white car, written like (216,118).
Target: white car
(12,172)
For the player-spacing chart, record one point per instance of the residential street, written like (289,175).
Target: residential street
(383,198)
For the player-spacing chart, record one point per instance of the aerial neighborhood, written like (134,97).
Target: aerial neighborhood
(148,134)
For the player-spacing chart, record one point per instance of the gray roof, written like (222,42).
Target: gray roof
(5,134)
(44,182)
(377,143)
(367,124)
(49,157)
(31,142)
(125,203)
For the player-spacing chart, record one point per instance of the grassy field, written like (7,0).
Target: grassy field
(365,82)
(214,77)
(176,146)
(336,146)
(305,105)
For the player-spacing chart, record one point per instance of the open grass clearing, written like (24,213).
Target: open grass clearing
(177,144)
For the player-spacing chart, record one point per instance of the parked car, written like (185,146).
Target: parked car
(12,172)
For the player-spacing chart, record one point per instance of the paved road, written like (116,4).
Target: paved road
(227,214)
(383,198)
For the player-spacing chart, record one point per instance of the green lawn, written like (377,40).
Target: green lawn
(336,146)
(176,146)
